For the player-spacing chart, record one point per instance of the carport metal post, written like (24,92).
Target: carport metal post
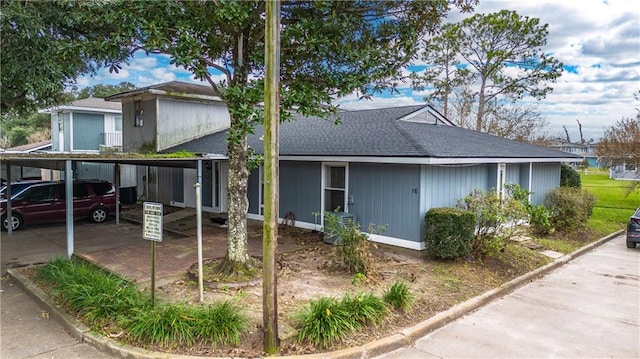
(68,182)
(9,211)
(116,179)
(198,188)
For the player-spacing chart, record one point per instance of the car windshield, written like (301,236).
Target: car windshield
(637,214)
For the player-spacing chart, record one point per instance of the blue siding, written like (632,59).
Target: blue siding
(492,177)
(177,185)
(546,176)
(513,173)
(300,189)
(446,185)
(88,130)
(253,191)
(66,119)
(388,195)
(524,175)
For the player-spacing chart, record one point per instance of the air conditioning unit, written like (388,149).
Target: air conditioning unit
(346,219)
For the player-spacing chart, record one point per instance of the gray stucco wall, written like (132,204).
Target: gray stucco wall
(545,177)
(387,195)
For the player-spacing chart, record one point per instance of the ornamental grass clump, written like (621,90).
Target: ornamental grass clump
(324,322)
(399,296)
(366,308)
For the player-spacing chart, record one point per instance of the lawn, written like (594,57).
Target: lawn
(613,206)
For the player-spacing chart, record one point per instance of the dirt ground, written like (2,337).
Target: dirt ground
(308,272)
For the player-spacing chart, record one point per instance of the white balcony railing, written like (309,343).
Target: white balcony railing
(112,139)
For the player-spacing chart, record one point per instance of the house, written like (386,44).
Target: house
(383,166)
(23,172)
(90,125)
(585,150)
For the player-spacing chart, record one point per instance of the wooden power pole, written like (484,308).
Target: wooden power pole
(271,181)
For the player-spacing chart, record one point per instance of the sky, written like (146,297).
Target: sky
(597,41)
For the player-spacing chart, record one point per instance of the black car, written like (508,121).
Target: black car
(633,230)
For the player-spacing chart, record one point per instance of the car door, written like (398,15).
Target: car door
(39,204)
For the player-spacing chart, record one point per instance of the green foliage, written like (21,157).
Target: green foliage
(479,47)
(569,177)
(46,45)
(613,206)
(324,322)
(353,249)
(497,220)
(449,232)
(187,325)
(92,293)
(327,320)
(366,308)
(570,208)
(100,298)
(399,296)
(538,215)
(539,219)
(102,90)
(18,129)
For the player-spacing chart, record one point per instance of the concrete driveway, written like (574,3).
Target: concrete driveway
(588,308)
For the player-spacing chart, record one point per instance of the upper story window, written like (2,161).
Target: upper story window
(117,123)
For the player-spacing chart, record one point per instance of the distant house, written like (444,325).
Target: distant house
(21,172)
(585,150)
(86,125)
(89,125)
(383,166)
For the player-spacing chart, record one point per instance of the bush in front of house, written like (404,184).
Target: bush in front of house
(570,208)
(353,249)
(538,215)
(569,177)
(449,232)
(497,220)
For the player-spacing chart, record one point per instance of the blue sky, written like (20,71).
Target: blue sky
(597,41)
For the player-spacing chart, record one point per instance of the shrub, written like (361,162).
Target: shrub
(497,221)
(365,307)
(325,321)
(399,296)
(569,177)
(89,291)
(220,323)
(539,220)
(570,208)
(353,249)
(449,232)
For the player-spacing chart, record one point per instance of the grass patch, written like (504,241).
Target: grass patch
(614,203)
(103,299)
(399,296)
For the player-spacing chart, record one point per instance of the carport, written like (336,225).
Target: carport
(65,162)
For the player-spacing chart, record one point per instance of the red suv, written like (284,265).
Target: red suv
(45,203)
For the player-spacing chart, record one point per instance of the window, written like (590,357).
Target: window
(138,115)
(117,123)
(335,187)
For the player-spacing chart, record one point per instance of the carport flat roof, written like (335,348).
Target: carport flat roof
(57,161)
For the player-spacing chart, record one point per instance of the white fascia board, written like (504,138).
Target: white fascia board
(65,109)
(184,95)
(426,160)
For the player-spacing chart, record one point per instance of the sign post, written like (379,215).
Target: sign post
(152,231)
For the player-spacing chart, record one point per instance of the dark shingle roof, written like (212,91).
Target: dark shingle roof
(378,133)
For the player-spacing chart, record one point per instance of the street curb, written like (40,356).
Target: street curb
(403,338)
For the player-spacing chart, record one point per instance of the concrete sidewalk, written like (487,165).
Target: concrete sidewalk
(589,308)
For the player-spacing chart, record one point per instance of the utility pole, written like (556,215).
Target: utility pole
(271,181)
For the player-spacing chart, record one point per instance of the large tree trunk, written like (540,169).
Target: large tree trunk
(237,203)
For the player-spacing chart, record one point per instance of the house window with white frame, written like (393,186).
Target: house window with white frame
(335,188)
